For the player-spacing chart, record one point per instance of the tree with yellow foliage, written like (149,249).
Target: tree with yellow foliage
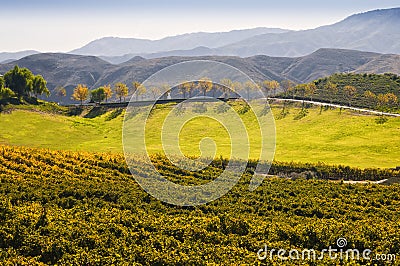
(80,93)
(107,92)
(121,90)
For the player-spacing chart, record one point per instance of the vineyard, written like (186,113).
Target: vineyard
(81,208)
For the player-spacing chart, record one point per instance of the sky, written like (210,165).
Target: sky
(61,26)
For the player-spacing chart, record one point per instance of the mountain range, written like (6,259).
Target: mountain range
(374,31)
(69,70)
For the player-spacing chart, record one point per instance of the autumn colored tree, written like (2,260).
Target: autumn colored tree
(155,91)
(248,87)
(205,85)
(237,86)
(60,92)
(350,92)
(310,90)
(301,90)
(270,87)
(227,85)
(121,90)
(370,97)
(287,87)
(182,89)
(332,90)
(80,93)
(189,86)
(392,100)
(107,92)
(136,85)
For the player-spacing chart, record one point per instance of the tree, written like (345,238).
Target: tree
(270,86)
(310,90)
(392,100)
(382,101)
(107,92)
(136,84)
(60,92)
(98,95)
(6,93)
(190,85)
(205,85)
(301,90)
(182,89)
(121,90)
(237,86)
(39,86)
(370,97)
(350,92)
(80,93)
(19,80)
(332,90)
(1,82)
(138,89)
(227,85)
(287,87)
(155,91)
(249,86)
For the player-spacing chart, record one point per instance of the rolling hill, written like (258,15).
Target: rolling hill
(69,70)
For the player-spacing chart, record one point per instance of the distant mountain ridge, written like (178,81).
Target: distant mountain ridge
(113,46)
(374,31)
(69,70)
(6,57)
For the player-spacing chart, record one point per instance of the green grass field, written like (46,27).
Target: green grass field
(332,137)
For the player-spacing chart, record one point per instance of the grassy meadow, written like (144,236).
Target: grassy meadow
(332,137)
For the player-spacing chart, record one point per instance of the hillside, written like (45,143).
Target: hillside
(69,70)
(378,84)
(350,139)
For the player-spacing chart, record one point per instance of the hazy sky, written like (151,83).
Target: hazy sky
(56,25)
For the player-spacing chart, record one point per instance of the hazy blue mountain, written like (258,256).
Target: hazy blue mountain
(9,57)
(373,31)
(111,46)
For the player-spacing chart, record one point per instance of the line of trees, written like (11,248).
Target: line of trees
(270,88)
(81,92)
(21,82)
